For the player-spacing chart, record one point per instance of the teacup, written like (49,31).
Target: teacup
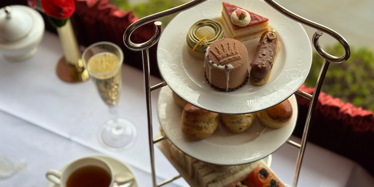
(85,172)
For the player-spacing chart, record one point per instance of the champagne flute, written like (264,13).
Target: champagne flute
(103,61)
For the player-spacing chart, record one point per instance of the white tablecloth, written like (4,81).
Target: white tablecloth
(48,123)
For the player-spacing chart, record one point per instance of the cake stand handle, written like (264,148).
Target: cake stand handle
(144,48)
(151,18)
(320,30)
(328,58)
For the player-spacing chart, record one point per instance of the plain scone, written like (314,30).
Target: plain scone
(198,123)
(237,123)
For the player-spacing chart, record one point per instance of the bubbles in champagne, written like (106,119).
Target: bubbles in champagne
(106,73)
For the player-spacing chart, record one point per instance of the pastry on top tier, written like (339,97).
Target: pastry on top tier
(242,24)
(226,64)
(201,34)
(263,61)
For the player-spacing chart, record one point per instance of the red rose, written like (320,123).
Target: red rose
(59,9)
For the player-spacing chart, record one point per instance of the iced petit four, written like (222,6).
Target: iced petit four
(201,34)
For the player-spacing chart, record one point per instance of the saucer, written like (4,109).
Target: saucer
(117,166)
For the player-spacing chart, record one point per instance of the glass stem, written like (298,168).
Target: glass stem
(113,110)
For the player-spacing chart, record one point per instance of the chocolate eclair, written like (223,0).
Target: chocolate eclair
(264,58)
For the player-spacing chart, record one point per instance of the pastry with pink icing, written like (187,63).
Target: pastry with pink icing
(242,24)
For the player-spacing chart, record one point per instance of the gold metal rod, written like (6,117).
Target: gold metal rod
(293,143)
(156,140)
(169,180)
(159,85)
(304,94)
(312,106)
(146,72)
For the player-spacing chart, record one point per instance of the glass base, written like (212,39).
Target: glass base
(117,136)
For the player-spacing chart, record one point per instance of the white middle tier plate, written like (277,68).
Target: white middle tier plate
(185,74)
(223,147)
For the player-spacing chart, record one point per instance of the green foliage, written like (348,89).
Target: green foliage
(351,81)
(121,4)
(147,8)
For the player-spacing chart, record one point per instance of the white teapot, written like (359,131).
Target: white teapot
(21,30)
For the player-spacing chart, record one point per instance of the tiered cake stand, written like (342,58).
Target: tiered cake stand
(190,87)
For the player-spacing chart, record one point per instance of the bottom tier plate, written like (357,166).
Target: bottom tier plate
(199,174)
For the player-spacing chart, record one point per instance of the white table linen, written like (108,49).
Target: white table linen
(48,123)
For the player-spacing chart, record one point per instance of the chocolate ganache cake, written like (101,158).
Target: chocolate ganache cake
(226,64)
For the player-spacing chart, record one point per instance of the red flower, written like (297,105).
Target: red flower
(59,9)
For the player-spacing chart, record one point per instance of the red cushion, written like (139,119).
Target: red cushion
(357,118)
(100,21)
(340,127)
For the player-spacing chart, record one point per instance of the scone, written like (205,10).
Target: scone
(276,116)
(237,123)
(198,123)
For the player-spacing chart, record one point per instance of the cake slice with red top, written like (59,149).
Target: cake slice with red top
(242,24)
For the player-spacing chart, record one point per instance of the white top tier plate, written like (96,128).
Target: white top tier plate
(185,74)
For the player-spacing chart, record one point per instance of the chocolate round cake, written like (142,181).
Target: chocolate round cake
(226,64)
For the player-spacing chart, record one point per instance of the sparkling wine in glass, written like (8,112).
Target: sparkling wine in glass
(103,61)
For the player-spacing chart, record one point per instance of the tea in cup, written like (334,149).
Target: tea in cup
(84,172)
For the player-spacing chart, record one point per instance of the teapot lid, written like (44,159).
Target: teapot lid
(14,24)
